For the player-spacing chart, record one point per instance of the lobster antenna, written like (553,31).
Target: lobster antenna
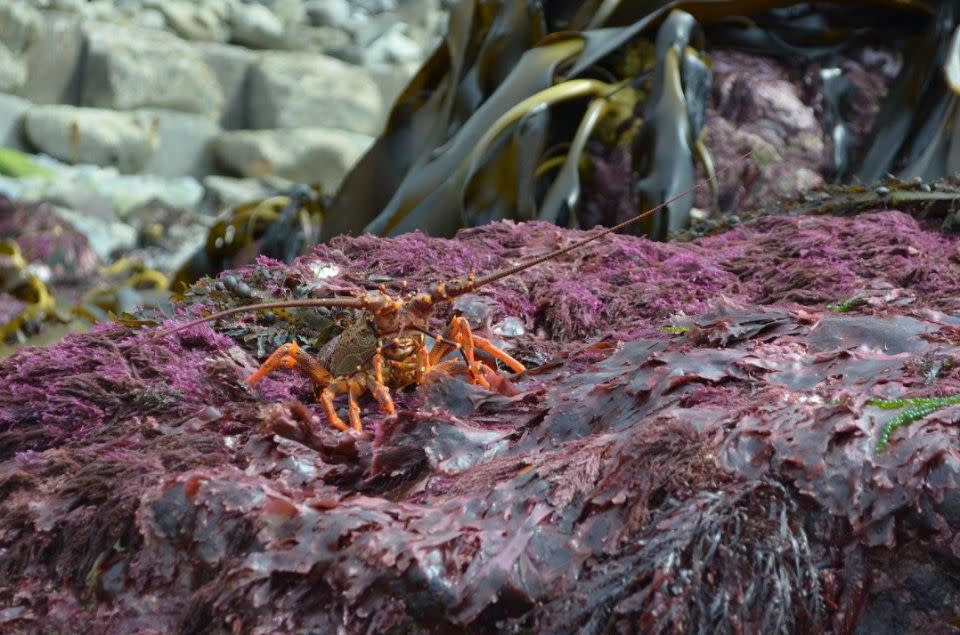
(288,304)
(509,271)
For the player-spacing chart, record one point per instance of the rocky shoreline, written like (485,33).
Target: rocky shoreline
(221,94)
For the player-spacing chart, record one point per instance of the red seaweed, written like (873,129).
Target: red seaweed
(722,476)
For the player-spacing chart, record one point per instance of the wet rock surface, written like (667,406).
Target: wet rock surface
(694,449)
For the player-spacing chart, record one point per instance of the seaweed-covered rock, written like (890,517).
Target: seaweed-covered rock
(695,449)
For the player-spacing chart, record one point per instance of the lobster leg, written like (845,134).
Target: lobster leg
(326,401)
(462,334)
(291,356)
(487,346)
(353,412)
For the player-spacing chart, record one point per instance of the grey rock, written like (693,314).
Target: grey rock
(257,26)
(195,22)
(72,6)
(105,235)
(392,79)
(320,39)
(12,110)
(130,68)
(370,29)
(331,13)
(289,11)
(309,155)
(231,66)
(221,191)
(91,135)
(151,19)
(394,46)
(13,71)
(54,60)
(102,11)
(295,90)
(184,144)
(19,24)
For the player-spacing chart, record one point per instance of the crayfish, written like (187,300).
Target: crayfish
(387,348)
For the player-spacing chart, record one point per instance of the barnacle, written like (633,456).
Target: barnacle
(916,408)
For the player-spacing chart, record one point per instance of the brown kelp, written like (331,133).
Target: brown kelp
(458,152)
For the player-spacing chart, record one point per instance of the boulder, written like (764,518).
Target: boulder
(231,66)
(220,191)
(184,144)
(307,155)
(54,60)
(19,25)
(254,25)
(13,71)
(92,135)
(193,21)
(719,476)
(331,13)
(295,90)
(12,110)
(394,46)
(129,68)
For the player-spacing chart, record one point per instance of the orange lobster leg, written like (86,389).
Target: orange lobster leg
(326,401)
(291,356)
(487,346)
(461,333)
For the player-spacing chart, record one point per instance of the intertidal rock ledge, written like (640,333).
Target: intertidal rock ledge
(695,450)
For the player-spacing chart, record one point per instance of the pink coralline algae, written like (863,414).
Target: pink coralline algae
(694,449)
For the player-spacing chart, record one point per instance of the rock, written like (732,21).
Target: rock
(321,39)
(289,12)
(195,22)
(13,71)
(294,90)
(151,19)
(231,66)
(54,61)
(221,191)
(331,13)
(129,68)
(256,26)
(104,235)
(101,11)
(19,24)
(92,135)
(307,155)
(12,110)
(71,6)
(184,144)
(392,79)
(394,46)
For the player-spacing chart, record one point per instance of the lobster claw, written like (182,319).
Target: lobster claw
(283,357)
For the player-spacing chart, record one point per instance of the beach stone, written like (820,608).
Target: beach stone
(184,144)
(220,191)
(12,110)
(256,26)
(54,60)
(296,90)
(92,135)
(128,68)
(307,155)
(331,13)
(394,46)
(231,67)
(19,24)
(192,21)
(13,71)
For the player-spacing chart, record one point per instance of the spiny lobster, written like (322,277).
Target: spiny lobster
(387,347)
